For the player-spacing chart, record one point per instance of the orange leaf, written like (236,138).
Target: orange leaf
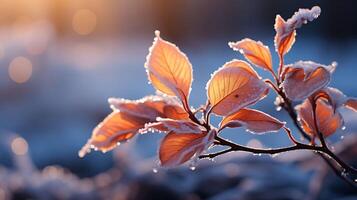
(283,42)
(253,120)
(116,127)
(128,118)
(305,78)
(234,86)
(328,121)
(169,70)
(286,30)
(175,112)
(176,149)
(256,52)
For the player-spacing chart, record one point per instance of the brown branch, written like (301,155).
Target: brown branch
(237,147)
(323,151)
(328,156)
(298,146)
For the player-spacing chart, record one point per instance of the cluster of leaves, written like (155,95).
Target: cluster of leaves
(230,91)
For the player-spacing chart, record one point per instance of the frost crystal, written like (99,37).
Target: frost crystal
(302,16)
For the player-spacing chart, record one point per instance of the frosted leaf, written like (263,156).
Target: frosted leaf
(169,69)
(149,107)
(304,78)
(130,116)
(286,30)
(337,98)
(255,52)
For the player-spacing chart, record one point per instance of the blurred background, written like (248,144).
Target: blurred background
(61,60)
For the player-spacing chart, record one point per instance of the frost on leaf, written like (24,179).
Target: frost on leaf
(254,121)
(286,30)
(337,99)
(305,78)
(178,148)
(150,107)
(168,69)
(256,52)
(177,126)
(328,116)
(128,118)
(116,127)
(234,86)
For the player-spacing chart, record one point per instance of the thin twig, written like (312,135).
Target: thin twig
(236,147)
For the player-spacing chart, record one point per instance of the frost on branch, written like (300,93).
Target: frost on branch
(286,30)
(233,87)
(304,78)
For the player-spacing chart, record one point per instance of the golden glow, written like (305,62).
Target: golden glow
(84,22)
(19,146)
(20,69)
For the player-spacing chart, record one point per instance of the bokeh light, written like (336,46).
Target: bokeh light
(19,146)
(84,21)
(20,69)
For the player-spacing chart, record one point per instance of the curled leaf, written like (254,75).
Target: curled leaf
(254,121)
(286,30)
(177,126)
(337,99)
(305,78)
(234,86)
(169,70)
(328,120)
(176,149)
(256,52)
